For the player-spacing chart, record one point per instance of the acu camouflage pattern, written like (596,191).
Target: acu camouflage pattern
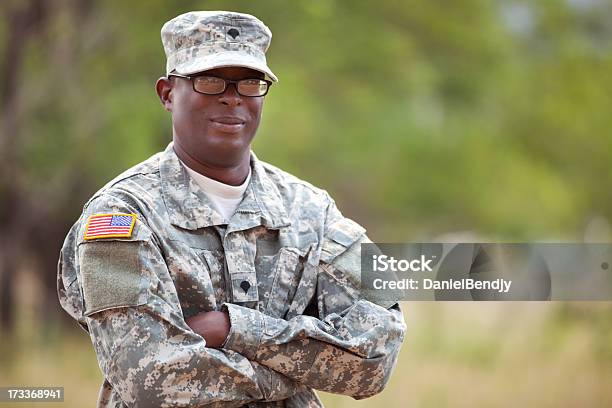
(301,324)
(202,40)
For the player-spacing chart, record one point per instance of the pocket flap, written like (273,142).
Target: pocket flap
(339,236)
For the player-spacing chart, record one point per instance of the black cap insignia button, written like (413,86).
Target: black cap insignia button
(233,32)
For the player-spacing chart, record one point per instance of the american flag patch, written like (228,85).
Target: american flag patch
(110,226)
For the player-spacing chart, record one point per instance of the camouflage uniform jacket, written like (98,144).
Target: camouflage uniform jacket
(299,322)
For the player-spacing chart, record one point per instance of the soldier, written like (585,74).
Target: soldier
(206,277)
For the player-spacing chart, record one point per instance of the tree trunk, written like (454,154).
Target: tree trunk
(23,19)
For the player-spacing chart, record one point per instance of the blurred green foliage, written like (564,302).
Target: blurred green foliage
(420,117)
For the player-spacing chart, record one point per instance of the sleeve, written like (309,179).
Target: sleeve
(143,345)
(351,347)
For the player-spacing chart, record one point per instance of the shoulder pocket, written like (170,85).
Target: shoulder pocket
(339,236)
(112,271)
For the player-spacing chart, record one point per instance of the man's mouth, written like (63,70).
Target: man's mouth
(228,124)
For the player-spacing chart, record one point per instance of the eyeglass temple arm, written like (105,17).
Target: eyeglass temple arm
(178,75)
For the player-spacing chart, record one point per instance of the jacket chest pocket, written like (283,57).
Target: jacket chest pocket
(215,263)
(192,278)
(278,278)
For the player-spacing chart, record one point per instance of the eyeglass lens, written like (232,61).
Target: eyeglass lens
(246,87)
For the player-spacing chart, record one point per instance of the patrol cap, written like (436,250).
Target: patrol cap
(201,40)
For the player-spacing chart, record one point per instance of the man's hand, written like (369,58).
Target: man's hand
(213,326)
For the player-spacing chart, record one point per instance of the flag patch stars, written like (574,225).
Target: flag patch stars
(109,226)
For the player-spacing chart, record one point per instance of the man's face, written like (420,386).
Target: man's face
(215,130)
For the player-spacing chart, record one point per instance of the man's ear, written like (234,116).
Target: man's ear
(163,86)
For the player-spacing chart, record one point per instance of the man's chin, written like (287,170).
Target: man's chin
(226,154)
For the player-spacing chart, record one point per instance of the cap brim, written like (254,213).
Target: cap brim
(225,59)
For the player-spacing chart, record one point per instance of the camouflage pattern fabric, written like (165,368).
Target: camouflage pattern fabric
(200,40)
(286,268)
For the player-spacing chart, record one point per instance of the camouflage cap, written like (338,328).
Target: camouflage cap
(202,40)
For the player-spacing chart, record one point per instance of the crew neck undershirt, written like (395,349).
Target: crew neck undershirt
(224,197)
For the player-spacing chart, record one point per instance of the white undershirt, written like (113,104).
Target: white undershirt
(225,198)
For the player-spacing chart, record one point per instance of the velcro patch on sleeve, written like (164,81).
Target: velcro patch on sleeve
(117,225)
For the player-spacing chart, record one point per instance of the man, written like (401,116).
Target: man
(206,277)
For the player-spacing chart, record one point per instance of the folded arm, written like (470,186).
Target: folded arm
(350,347)
(152,362)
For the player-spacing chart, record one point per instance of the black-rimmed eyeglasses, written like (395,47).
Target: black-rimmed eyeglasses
(212,85)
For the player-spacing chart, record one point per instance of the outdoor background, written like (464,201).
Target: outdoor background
(423,119)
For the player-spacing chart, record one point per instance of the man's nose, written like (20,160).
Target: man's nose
(231,96)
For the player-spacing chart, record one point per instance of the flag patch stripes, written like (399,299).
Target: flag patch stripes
(116,225)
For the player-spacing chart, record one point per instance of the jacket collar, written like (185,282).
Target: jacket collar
(190,208)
